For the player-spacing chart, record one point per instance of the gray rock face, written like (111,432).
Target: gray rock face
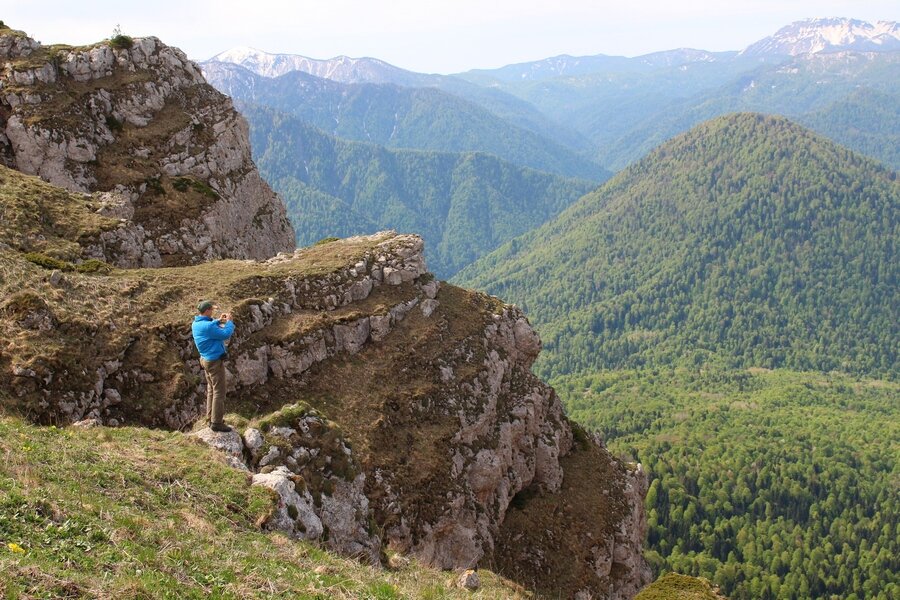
(627,547)
(253,442)
(342,508)
(307,451)
(511,434)
(16,46)
(177,126)
(295,513)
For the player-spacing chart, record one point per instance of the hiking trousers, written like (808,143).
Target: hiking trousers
(215,390)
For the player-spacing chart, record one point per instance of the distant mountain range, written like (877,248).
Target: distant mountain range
(568,117)
(342,69)
(607,109)
(423,118)
(809,36)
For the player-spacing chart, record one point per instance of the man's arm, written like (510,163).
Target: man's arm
(219,333)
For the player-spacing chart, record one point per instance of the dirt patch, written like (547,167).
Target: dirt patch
(546,539)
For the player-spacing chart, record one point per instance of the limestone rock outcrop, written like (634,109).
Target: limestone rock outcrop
(138,123)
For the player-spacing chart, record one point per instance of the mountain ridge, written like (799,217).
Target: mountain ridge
(373,406)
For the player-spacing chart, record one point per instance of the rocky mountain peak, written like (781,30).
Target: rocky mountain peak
(134,119)
(813,36)
(343,69)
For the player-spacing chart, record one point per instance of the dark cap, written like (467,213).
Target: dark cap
(204,306)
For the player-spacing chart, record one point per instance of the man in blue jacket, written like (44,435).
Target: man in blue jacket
(210,336)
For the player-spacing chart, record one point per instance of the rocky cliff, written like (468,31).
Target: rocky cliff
(135,122)
(386,411)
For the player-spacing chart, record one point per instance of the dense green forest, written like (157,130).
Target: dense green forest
(464,205)
(748,241)
(770,484)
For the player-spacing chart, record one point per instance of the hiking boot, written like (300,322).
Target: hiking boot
(220,427)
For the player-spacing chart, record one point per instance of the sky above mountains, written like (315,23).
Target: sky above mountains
(441,36)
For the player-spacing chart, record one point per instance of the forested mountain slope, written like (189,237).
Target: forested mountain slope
(748,239)
(401,117)
(464,204)
(867,121)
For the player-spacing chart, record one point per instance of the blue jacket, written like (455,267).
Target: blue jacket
(210,337)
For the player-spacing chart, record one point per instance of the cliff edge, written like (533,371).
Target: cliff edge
(383,409)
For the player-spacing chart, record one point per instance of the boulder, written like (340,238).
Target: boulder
(295,512)
(469,580)
(229,443)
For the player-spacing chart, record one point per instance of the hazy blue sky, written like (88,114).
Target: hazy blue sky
(434,36)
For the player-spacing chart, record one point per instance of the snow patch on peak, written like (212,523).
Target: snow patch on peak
(343,69)
(814,36)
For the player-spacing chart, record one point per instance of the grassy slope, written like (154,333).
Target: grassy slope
(38,217)
(137,513)
(673,586)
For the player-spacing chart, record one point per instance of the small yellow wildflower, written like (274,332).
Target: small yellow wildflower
(13,547)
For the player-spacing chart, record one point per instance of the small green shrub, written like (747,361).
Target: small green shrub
(581,437)
(183,184)
(48,262)
(93,265)
(121,42)
(287,416)
(113,123)
(326,240)
(154,186)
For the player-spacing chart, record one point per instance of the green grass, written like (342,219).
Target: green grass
(139,513)
(673,586)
